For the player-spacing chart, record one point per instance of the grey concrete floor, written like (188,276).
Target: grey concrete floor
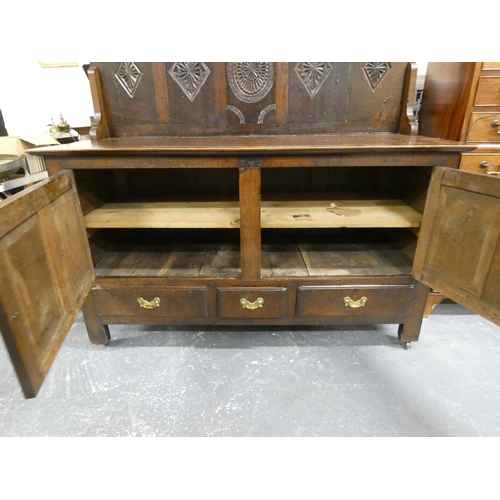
(276,381)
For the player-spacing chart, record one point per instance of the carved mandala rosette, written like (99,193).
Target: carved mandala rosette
(190,76)
(375,71)
(129,76)
(313,75)
(250,81)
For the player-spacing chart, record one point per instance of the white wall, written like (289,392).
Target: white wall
(31,94)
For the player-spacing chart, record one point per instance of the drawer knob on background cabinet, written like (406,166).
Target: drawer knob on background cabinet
(485,164)
(354,304)
(146,304)
(496,124)
(245,304)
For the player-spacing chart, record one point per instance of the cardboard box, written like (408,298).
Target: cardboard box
(13,145)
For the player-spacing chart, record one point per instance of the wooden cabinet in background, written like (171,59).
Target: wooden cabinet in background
(244,194)
(461,101)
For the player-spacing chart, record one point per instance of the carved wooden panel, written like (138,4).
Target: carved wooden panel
(129,76)
(251,93)
(250,81)
(198,98)
(190,76)
(202,108)
(313,75)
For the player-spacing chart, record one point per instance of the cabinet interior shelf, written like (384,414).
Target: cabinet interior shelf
(278,261)
(274,214)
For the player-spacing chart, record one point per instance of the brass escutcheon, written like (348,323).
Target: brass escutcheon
(245,304)
(146,304)
(354,304)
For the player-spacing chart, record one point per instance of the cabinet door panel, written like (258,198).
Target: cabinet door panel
(46,274)
(458,253)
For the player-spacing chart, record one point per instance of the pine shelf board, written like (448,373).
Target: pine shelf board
(345,213)
(274,214)
(165,215)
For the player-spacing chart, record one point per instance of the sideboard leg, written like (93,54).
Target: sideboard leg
(98,333)
(409,331)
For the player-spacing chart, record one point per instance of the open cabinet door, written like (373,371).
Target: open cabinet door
(458,252)
(46,273)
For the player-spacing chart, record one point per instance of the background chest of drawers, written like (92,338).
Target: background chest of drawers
(461,101)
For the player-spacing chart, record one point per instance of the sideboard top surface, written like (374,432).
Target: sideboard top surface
(228,145)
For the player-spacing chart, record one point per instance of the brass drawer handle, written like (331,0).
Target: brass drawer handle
(146,304)
(354,304)
(496,124)
(245,304)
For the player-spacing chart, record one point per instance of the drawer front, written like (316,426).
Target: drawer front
(353,301)
(491,65)
(151,302)
(488,91)
(251,302)
(482,129)
(483,164)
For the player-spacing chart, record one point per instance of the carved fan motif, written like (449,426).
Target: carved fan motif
(313,75)
(129,76)
(237,112)
(190,76)
(250,81)
(375,71)
(263,113)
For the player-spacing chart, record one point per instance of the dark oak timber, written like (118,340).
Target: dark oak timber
(46,274)
(250,218)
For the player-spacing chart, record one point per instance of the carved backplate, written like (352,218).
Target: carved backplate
(203,98)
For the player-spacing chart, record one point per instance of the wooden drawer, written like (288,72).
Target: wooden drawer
(491,65)
(488,91)
(353,301)
(151,302)
(483,164)
(481,129)
(251,302)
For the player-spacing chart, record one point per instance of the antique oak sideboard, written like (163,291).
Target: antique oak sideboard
(244,194)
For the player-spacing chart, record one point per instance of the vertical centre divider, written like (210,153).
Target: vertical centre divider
(250,232)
